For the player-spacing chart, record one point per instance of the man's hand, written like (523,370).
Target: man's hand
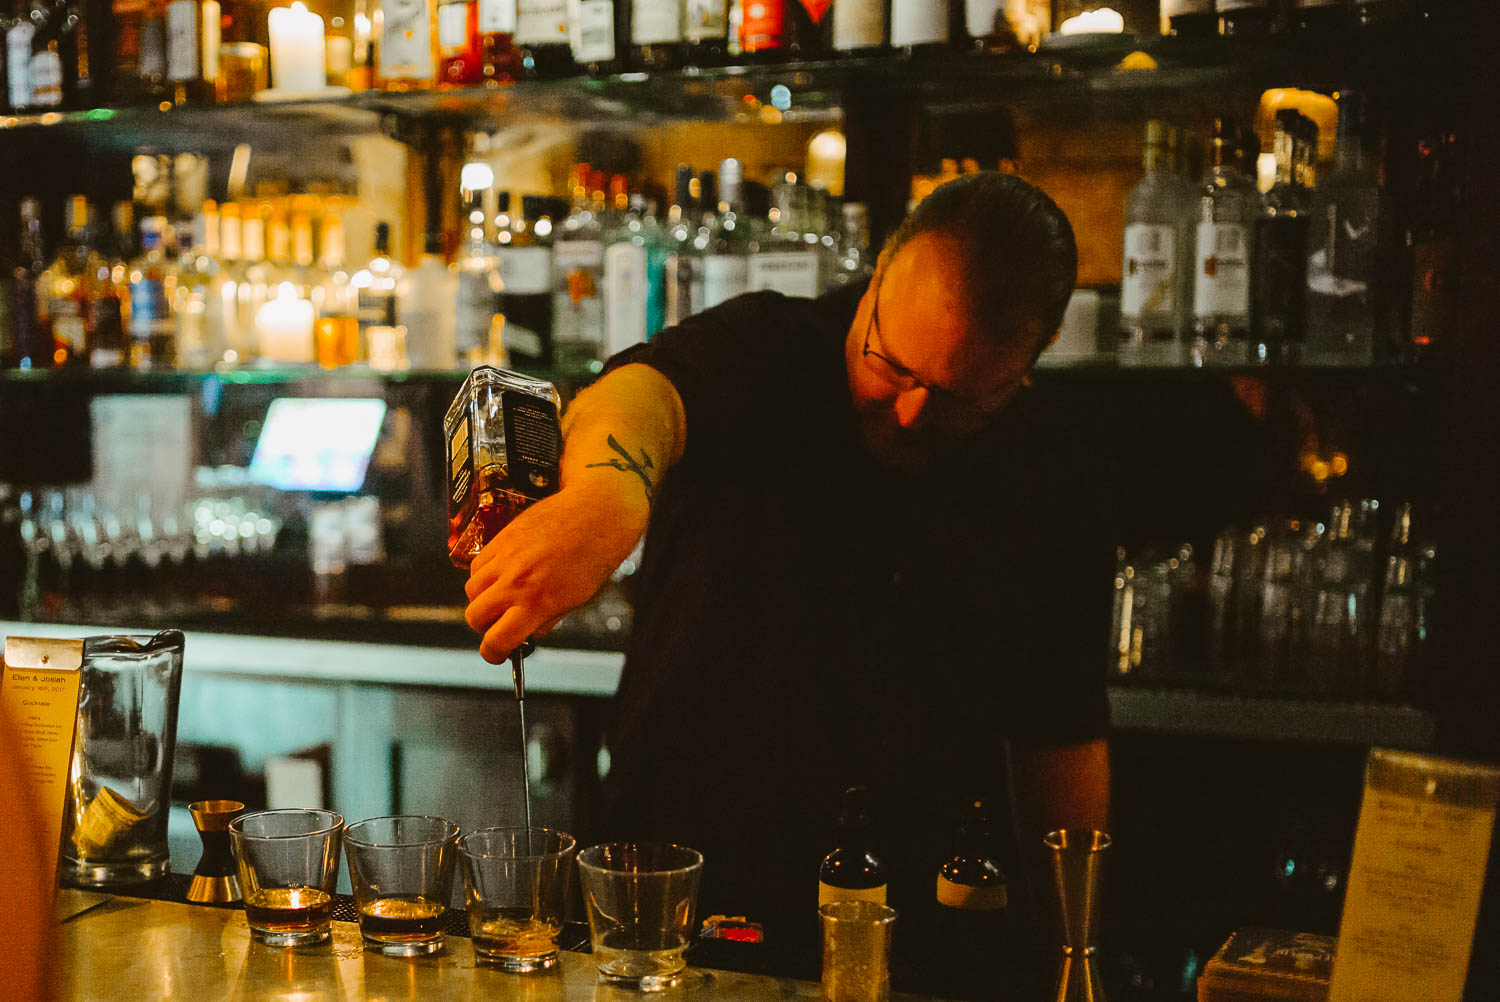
(549,560)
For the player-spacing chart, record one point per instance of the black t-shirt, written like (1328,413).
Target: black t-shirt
(806,621)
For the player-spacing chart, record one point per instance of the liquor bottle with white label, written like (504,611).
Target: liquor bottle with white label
(682,278)
(151,64)
(726,257)
(1157,252)
(599,35)
(705,32)
(192,50)
(627,277)
(460,50)
(920,27)
(424,306)
(578,280)
(1188,18)
(852,871)
(859,27)
(1346,231)
(655,34)
(1278,270)
(408,53)
(781,260)
(543,39)
(1228,205)
(499,61)
(33,57)
(526,290)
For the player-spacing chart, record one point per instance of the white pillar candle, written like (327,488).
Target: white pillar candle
(284,326)
(297,49)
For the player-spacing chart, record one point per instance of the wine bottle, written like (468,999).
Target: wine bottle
(852,871)
(972,913)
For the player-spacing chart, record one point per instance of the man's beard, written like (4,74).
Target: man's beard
(903,450)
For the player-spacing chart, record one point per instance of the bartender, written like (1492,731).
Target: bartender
(874,555)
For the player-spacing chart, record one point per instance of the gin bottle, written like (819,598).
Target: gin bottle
(682,277)
(1228,205)
(1153,289)
(1278,276)
(478,272)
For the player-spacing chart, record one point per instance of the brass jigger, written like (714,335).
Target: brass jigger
(1077,861)
(215,881)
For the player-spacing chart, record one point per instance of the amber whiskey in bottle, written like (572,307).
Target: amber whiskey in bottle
(504,444)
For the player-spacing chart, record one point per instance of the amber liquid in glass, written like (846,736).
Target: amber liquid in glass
(514,932)
(289,909)
(401,920)
(490,506)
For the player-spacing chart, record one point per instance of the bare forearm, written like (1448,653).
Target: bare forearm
(624,432)
(1062,786)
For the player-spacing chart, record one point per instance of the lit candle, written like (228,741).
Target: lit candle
(297,49)
(284,326)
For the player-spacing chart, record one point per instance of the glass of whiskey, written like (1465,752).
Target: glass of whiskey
(504,442)
(288,862)
(516,884)
(401,871)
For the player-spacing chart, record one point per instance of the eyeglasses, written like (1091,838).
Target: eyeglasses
(944,403)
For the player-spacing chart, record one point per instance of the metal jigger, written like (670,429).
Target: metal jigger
(1077,861)
(215,880)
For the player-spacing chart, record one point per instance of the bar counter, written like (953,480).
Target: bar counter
(128,948)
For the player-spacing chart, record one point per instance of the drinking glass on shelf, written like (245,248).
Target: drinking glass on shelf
(515,887)
(640,898)
(288,863)
(1283,604)
(401,871)
(1405,607)
(1340,585)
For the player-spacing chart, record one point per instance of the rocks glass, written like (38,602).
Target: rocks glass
(640,898)
(515,887)
(288,862)
(401,871)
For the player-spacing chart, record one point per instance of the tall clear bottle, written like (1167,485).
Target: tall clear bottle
(425,300)
(197,298)
(526,291)
(683,281)
(578,277)
(1228,205)
(1278,272)
(1346,228)
(408,54)
(726,257)
(478,271)
(627,277)
(152,328)
(781,260)
(1158,249)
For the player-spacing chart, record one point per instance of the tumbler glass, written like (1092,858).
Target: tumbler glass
(288,864)
(856,951)
(640,898)
(515,887)
(401,870)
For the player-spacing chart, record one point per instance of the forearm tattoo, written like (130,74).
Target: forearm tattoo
(630,464)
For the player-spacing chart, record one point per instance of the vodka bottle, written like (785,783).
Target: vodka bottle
(1345,229)
(1278,273)
(1157,248)
(1228,205)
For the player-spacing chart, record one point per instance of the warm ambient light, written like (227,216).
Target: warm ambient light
(476,176)
(1105,20)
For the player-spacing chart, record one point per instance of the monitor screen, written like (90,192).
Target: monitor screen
(317,444)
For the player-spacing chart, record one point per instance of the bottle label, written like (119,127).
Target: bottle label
(46,79)
(762,25)
(1221,281)
(1148,277)
(406,49)
(969,897)
(476,308)
(182,40)
(982,17)
(497,17)
(67,323)
(18,63)
(593,26)
(724,277)
(791,273)
(704,19)
(624,297)
(460,461)
(655,22)
(858,24)
(541,22)
(453,25)
(918,22)
(570,255)
(526,270)
(533,442)
(148,308)
(827,893)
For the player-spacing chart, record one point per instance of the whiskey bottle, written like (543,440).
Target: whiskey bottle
(1156,249)
(852,871)
(526,291)
(920,26)
(498,60)
(1278,274)
(408,45)
(460,50)
(1228,205)
(504,443)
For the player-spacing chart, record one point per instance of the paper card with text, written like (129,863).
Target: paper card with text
(39,693)
(1414,886)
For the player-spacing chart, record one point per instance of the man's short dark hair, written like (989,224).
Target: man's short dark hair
(1020,259)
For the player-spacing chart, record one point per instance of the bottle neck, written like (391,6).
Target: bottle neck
(1158,158)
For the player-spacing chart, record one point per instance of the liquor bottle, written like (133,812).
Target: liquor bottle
(986,29)
(627,278)
(425,298)
(655,33)
(192,44)
(526,285)
(151,329)
(1428,239)
(33,57)
(852,871)
(1228,205)
(151,62)
(1188,18)
(108,348)
(336,329)
(1346,227)
(578,282)
(598,36)
(197,302)
(773,31)
(1157,244)
(920,26)
(705,32)
(859,27)
(408,55)
(500,63)
(33,344)
(1321,15)
(1245,18)
(86,54)
(460,49)
(726,257)
(781,261)
(855,262)
(1278,272)
(972,901)
(543,40)
(65,285)
(683,283)
(19,31)
(375,286)
(478,271)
